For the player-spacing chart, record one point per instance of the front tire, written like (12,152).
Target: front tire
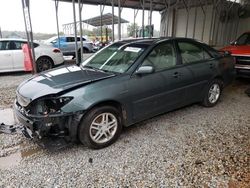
(100,127)
(213,93)
(44,63)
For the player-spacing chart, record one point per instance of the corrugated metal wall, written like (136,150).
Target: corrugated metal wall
(220,26)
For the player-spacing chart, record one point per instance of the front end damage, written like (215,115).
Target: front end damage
(44,119)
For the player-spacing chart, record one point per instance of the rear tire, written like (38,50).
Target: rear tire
(100,127)
(213,93)
(44,63)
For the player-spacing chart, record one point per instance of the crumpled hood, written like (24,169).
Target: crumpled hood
(58,80)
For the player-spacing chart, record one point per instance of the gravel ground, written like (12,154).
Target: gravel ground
(190,147)
(8,85)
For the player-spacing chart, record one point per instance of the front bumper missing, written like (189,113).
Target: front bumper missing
(52,130)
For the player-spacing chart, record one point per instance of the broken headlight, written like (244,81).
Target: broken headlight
(49,105)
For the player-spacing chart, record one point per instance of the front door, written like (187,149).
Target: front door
(6,59)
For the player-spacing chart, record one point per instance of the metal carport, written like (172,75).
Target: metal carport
(215,22)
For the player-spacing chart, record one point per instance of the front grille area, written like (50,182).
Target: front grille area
(243,60)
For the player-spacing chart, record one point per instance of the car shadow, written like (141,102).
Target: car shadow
(17,73)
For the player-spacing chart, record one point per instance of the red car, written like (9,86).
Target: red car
(240,49)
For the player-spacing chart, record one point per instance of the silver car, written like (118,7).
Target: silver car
(67,45)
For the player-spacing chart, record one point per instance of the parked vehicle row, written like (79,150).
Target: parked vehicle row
(12,57)
(122,84)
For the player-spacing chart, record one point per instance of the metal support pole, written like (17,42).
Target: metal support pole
(150,19)
(80,5)
(217,28)
(230,30)
(195,16)
(134,24)
(119,19)
(75,31)
(135,15)
(57,22)
(29,33)
(188,9)
(204,22)
(113,28)
(143,11)
(101,21)
(211,25)
(237,26)
(168,16)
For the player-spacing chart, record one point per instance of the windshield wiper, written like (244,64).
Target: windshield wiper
(90,67)
(94,68)
(102,70)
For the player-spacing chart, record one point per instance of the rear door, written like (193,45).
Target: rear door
(70,44)
(162,90)
(200,63)
(6,58)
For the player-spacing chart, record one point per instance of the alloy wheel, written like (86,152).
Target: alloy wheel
(214,93)
(103,128)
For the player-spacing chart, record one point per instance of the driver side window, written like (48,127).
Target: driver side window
(163,56)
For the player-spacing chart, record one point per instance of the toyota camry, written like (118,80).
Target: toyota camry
(122,84)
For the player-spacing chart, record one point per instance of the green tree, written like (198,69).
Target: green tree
(131,29)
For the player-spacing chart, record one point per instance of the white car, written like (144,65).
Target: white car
(12,57)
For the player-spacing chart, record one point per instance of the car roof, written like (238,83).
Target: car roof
(13,39)
(150,41)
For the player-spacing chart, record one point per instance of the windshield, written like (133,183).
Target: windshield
(244,39)
(114,58)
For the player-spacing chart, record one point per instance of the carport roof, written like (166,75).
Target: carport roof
(157,5)
(106,20)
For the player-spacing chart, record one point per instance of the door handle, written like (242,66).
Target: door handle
(176,75)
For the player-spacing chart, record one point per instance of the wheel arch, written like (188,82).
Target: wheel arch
(84,48)
(46,56)
(219,77)
(113,103)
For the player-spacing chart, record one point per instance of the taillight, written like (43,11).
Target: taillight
(56,50)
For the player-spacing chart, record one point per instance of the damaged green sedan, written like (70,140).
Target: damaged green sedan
(122,84)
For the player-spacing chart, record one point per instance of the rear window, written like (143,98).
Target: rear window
(191,52)
(35,45)
(83,39)
(70,39)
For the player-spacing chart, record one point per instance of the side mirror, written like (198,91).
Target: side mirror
(145,70)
